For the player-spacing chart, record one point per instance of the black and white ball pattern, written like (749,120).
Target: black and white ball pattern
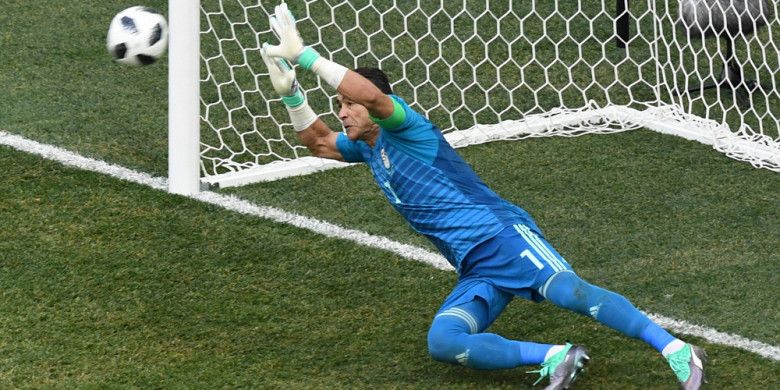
(137,36)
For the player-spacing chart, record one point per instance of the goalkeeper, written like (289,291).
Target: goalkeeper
(496,247)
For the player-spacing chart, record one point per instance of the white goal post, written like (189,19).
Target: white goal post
(184,97)
(482,71)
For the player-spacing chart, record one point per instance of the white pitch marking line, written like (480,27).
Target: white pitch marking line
(411,252)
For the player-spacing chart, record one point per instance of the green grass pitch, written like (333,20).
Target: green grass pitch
(108,284)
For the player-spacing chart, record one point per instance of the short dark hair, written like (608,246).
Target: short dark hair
(377,77)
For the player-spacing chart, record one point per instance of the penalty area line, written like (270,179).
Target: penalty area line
(234,203)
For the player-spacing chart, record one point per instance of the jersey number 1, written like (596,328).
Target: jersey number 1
(530,256)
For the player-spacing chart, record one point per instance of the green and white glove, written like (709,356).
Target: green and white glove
(282,76)
(283,79)
(291,48)
(290,43)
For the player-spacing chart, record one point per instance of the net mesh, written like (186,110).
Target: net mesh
(489,70)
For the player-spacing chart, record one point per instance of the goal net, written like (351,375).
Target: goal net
(496,70)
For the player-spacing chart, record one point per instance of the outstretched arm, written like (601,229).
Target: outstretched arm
(348,83)
(360,90)
(311,130)
(321,140)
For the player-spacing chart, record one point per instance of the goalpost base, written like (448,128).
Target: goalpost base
(273,171)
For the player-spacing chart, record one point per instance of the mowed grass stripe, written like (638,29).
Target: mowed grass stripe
(390,303)
(226,201)
(330,230)
(107,283)
(673,225)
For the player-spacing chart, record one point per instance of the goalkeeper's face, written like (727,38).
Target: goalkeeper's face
(356,120)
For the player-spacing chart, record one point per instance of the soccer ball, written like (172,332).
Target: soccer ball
(137,36)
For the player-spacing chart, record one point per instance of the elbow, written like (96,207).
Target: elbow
(319,153)
(320,141)
(320,148)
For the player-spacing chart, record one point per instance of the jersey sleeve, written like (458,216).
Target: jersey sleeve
(349,150)
(411,118)
(416,135)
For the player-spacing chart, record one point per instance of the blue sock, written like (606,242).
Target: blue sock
(656,336)
(454,338)
(567,290)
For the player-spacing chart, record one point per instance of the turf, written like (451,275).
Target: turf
(109,284)
(106,284)
(644,214)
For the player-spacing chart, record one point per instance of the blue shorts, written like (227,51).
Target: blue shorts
(516,262)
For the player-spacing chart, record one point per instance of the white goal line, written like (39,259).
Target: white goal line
(234,203)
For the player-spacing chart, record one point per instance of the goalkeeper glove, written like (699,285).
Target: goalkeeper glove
(290,43)
(283,79)
(291,48)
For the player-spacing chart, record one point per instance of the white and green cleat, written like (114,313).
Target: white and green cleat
(563,367)
(688,365)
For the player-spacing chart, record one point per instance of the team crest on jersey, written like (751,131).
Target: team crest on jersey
(385,159)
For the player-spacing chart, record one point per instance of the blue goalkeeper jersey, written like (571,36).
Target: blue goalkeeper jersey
(437,192)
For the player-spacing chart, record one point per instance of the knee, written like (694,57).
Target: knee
(442,348)
(445,342)
(569,291)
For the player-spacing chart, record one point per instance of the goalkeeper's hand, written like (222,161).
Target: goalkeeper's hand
(290,43)
(283,78)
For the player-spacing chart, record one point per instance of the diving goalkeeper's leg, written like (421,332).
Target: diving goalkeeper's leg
(456,337)
(568,290)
